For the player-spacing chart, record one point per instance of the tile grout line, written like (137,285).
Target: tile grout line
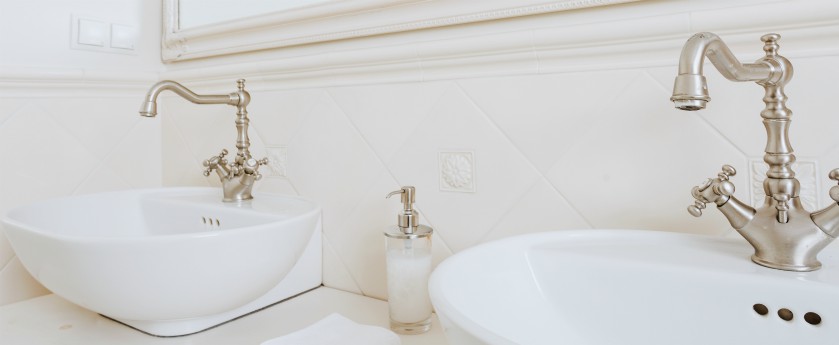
(343,264)
(532,166)
(6,265)
(182,137)
(702,118)
(521,197)
(381,161)
(598,121)
(101,161)
(366,143)
(105,159)
(306,118)
(14,114)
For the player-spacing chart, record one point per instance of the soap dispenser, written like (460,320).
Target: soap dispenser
(408,247)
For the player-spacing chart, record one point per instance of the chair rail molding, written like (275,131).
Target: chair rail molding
(340,19)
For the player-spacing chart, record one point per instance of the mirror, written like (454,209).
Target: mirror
(204,28)
(196,13)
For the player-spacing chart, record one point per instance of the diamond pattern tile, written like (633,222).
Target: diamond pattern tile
(335,273)
(104,123)
(140,144)
(542,208)
(276,116)
(48,146)
(502,173)
(102,179)
(545,115)
(594,149)
(17,285)
(387,114)
(181,166)
(734,109)
(361,237)
(9,107)
(637,169)
(206,129)
(814,124)
(330,163)
(71,146)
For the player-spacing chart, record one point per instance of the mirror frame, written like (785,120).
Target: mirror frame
(340,19)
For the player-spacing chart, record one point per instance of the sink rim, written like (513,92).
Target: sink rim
(447,285)
(151,193)
(221,272)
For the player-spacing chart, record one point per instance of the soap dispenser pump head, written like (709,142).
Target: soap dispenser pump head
(407,219)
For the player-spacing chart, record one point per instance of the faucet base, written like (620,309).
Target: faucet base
(786,267)
(237,199)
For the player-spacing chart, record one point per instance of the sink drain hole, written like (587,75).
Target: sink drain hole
(785,314)
(760,309)
(813,318)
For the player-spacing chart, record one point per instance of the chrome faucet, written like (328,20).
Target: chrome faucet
(784,235)
(237,177)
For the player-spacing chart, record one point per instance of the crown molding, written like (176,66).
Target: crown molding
(58,82)
(808,28)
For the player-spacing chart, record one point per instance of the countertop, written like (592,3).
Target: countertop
(52,320)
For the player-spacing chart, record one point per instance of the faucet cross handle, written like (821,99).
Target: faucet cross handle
(696,209)
(834,191)
(214,162)
(251,167)
(770,44)
(727,171)
(717,190)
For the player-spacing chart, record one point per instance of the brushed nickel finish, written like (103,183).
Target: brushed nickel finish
(784,235)
(408,219)
(237,177)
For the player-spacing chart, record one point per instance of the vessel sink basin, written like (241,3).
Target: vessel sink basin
(161,254)
(628,287)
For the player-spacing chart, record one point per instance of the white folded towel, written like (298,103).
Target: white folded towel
(336,329)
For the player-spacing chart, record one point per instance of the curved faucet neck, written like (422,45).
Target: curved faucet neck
(150,105)
(708,44)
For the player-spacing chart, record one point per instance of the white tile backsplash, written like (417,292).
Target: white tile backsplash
(536,113)
(573,148)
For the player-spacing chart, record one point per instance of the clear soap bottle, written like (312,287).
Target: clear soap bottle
(408,247)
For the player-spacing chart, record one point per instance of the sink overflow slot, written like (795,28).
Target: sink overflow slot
(211,222)
(787,315)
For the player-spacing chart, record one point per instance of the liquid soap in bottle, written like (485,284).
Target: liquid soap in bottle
(408,247)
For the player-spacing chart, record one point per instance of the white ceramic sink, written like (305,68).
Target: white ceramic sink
(625,287)
(167,261)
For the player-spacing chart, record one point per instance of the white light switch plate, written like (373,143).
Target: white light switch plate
(99,35)
(92,32)
(122,37)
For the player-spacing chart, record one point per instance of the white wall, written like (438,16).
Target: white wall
(567,117)
(68,118)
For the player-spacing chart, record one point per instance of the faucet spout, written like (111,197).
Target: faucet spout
(690,91)
(149,106)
